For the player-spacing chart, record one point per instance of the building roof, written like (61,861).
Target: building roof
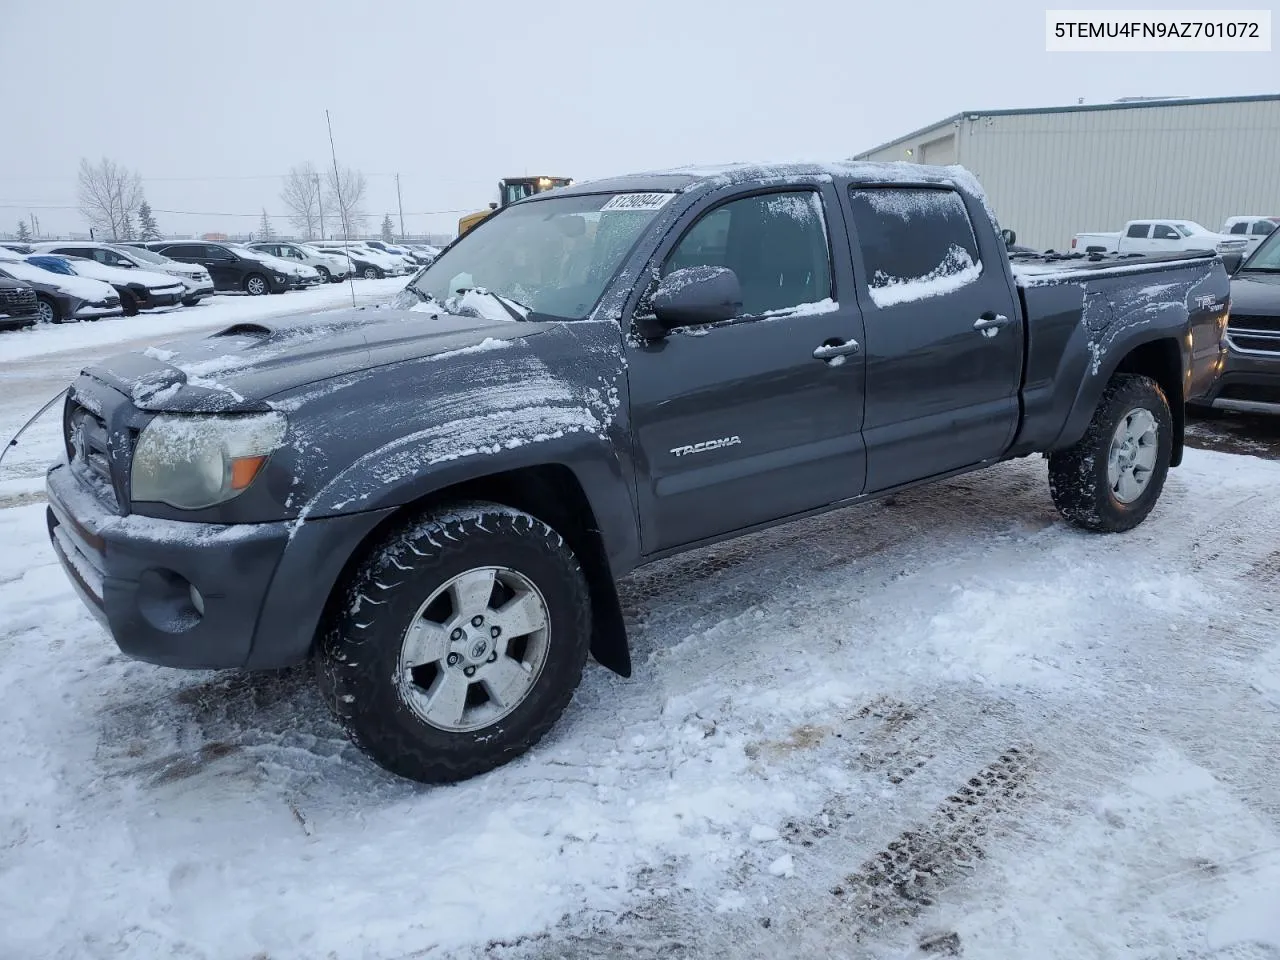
(1125,104)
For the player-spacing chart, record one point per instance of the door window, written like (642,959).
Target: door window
(916,242)
(1263,228)
(1241,226)
(776,243)
(1164,232)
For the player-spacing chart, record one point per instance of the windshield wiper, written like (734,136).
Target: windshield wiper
(513,307)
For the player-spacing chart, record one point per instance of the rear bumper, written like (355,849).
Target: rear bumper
(88,311)
(1249,383)
(198,595)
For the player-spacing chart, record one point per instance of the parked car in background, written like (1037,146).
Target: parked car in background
(13,246)
(138,289)
(370,264)
(303,275)
(59,298)
(1250,377)
(18,305)
(331,269)
(1253,229)
(195,279)
(1158,236)
(404,254)
(230,268)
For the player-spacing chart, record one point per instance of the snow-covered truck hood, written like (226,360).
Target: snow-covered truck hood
(241,367)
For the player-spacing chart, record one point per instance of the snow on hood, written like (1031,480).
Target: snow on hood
(82,287)
(238,368)
(100,271)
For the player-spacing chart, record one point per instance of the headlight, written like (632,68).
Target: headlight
(190,462)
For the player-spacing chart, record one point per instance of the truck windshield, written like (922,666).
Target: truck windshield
(1267,257)
(553,257)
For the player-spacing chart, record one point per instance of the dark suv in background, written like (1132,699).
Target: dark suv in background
(228,268)
(18,305)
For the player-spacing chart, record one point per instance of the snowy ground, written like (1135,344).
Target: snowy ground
(944,725)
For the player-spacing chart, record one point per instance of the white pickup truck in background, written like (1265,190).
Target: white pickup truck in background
(1253,229)
(1159,236)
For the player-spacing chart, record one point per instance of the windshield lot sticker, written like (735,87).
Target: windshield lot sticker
(638,201)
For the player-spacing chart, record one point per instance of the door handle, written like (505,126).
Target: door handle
(836,348)
(989,324)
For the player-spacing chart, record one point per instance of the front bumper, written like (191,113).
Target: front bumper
(1249,383)
(166,298)
(105,308)
(199,595)
(197,288)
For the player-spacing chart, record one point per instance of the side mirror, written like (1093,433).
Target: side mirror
(691,296)
(1232,262)
(1009,237)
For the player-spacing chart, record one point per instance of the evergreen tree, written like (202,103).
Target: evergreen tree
(24,233)
(147,227)
(127,230)
(387,229)
(264,228)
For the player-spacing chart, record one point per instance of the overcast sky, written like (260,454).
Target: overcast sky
(211,102)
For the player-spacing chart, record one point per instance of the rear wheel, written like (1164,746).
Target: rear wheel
(255,285)
(457,643)
(1111,479)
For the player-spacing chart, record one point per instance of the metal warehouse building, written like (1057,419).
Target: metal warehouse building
(1056,171)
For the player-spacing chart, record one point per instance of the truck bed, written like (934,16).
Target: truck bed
(1080,308)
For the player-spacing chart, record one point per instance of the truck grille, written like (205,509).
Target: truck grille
(88,450)
(1254,334)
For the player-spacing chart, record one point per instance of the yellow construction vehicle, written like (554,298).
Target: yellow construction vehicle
(509,191)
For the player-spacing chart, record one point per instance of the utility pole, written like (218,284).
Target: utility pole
(320,203)
(400,205)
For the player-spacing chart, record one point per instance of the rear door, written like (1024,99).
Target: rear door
(1136,239)
(739,423)
(944,333)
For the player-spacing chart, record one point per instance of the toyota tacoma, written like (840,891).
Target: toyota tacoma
(432,501)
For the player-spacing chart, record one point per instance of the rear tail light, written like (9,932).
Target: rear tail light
(1073,243)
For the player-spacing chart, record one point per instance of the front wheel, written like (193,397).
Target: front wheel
(458,642)
(255,285)
(324,274)
(372,273)
(47,310)
(190,301)
(1112,477)
(128,305)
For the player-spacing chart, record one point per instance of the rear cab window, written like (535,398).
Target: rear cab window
(915,242)
(1138,231)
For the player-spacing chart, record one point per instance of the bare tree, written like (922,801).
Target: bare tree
(301,197)
(346,198)
(109,197)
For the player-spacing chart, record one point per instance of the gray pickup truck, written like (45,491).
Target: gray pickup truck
(432,501)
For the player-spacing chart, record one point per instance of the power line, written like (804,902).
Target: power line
(208,213)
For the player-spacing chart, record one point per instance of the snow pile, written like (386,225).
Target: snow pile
(956,270)
(793,765)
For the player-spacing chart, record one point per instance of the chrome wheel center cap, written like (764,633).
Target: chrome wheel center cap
(479,650)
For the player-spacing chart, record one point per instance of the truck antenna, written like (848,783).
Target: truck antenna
(342,212)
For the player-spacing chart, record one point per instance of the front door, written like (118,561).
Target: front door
(944,334)
(738,423)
